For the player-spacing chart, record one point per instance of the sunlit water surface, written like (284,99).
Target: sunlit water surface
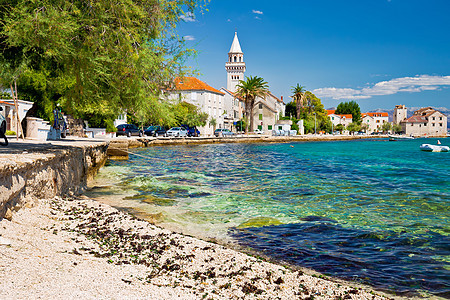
(373,211)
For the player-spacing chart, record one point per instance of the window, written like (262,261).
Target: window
(269,127)
(260,127)
(440,124)
(260,116)
(433,124)
(260,106)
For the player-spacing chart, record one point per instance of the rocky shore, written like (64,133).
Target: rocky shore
(69,248)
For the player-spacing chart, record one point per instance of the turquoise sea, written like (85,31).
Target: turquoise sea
(373,211)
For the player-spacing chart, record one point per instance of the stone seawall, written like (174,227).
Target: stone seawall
(29,173)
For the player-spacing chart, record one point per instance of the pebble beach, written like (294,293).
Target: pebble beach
(71,248)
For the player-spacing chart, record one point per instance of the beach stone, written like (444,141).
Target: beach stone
(5,241)
(8,214)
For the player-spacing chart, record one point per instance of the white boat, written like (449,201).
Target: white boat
(400,137)
(434,148)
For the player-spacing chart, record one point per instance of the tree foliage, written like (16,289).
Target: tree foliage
(189,114)
(350,108)
(249,90)
(386,127)
(291,110)
(298,96)
(314,114)
(94,58)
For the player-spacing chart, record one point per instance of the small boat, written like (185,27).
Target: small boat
(434,148)
(400,137)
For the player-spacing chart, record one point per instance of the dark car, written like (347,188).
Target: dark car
(192,131)
(155,131)
(128,130)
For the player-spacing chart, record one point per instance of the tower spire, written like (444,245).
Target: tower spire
(235,65)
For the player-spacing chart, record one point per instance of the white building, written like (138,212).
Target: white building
(375,120)
(206,98)
(342,119)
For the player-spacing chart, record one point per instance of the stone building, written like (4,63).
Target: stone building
(425,122)
(400,114)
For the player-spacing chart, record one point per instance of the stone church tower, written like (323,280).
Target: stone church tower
(235,65)
(400,114)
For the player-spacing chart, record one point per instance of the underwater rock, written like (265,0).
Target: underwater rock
(259,222)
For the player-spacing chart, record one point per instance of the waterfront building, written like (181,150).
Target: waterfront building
(336,119)
(425,122)
(206,98)
(400,114)
(374,120)
(266,111)
(233,108)
(9,112)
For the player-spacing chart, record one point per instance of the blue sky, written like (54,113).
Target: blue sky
(377,52)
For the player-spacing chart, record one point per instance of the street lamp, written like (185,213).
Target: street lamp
(315,123)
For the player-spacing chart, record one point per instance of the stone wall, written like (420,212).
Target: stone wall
(57,171)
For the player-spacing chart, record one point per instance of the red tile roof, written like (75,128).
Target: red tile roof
(415,119)
(193,84)
(234,94)
(375,114)
(6,103)
(331,111)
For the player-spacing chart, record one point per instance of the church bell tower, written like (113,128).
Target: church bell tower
(235,65)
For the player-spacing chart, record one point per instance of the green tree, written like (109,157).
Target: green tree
(189,114)
(353,127)
(93,58)
(291,110)
(339,127)
(387,126)
(298,94)
(397,128)
(350,108)
(313,112)
(249,90)
(213,123)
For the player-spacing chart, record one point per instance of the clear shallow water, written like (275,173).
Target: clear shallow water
(374,211)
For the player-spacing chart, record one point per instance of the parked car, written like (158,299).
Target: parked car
(192,131)
(177,131)
(223,132)
(258,131)
(128,130)
(155,131)
(3,129)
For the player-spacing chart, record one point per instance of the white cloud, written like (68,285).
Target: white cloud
(258,12)
(188,17)
(189,38)
(415,84)
(229,20)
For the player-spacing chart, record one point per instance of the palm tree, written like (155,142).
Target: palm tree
(299,93)
(249,90)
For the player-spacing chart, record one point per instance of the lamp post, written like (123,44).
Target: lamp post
(315,123)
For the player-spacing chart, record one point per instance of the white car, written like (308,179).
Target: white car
(258,131)
(177,131)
